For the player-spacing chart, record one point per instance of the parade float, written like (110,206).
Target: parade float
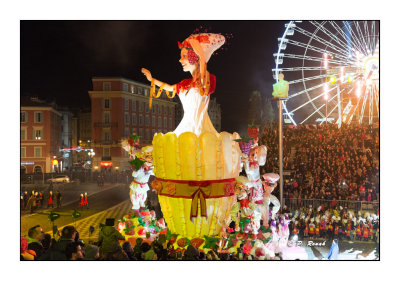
(197,170)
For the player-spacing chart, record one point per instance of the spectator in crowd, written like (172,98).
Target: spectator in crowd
(26,254)
(35,238)
(92,252)
(128,249)
(74,251)
(58,198)
(57,251)
(109,239)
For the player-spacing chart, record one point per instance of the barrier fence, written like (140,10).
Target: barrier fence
(294,204)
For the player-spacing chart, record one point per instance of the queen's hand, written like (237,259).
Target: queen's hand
(147,73)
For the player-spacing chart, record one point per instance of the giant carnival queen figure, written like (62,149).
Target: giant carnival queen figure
(195,166)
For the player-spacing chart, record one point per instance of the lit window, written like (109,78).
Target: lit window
(140,91)
(37,134)
(132,89)
(23,152)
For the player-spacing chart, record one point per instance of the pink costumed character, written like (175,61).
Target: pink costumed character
(257,157)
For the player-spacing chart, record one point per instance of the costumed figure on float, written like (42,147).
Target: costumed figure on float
(195,166)
(243,212)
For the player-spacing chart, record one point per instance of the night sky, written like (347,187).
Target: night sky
(59,58)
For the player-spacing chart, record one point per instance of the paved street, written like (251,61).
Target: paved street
(359,250)
(99,201)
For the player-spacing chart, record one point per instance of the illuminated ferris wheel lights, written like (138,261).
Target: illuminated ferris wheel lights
(358,92)
(325,61)
(332,79)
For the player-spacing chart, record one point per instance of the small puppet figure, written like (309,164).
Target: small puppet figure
(269,183)
(82,201)
(257,157)
(141,175)
(244,212)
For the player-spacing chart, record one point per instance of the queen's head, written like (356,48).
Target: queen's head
(196,51)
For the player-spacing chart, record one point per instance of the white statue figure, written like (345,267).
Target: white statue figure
(269,183)
(195,92)
(141,175)
(257,157)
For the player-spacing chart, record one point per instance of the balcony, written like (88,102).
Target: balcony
(105,125)
(105,142)
(106,158)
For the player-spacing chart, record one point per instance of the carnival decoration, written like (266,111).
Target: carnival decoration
(281,88)
(269,183)
(195,166)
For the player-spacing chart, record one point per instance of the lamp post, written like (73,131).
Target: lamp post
(280,93)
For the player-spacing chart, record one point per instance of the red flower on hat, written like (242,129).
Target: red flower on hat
(202,38)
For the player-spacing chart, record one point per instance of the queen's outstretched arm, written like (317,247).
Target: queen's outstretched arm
(158,83)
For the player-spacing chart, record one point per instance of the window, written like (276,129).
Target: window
(107,103)
(133,119)
(38,117)
(37,170)
(106,135)
(159,109)
(147,134)
(106,117)
(132,89)
(126,118)
(153,132)
(140,106)
(146,92)
(23,133)
(38,152)
(24,117)
(143,106)
(106,151)
(141,119)
(23,152)
(106,86)
(159,121)
(126,132)
(140,91)
(126,104)
(125,87)
(147,107)
(165,122)
(170,123)
(153,108)
(37,134)
(147,120)
(141,132)
(133,105)
(153,121)
(162,109)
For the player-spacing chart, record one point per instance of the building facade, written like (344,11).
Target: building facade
(81,137)
(40,127)
(66,136)
(120,107)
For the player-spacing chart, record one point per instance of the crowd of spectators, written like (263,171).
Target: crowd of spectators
(326,162)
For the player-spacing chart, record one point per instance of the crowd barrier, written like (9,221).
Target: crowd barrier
(294,204)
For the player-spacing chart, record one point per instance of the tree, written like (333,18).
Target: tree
(268,112)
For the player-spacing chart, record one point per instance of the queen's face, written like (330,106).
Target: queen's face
(185,62)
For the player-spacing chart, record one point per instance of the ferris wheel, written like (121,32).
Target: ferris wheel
(332,68)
